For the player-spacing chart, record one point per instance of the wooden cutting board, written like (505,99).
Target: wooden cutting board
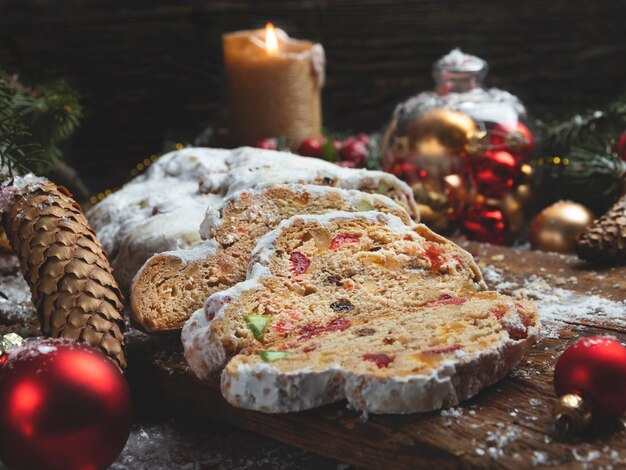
(507,425)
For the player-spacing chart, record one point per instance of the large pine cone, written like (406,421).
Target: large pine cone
(69,275)
(605,239)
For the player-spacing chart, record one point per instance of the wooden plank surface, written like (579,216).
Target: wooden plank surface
(505,426)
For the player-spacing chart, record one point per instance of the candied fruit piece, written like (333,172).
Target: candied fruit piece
(257,323)
(444,350)
(272,356)
(381,360)
(343,239)
(299,263)
(310,331)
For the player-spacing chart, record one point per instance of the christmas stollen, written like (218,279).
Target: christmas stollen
(172,285)
(357,306)
(162,209)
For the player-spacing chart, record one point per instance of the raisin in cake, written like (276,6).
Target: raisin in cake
(357,306)
(172,285)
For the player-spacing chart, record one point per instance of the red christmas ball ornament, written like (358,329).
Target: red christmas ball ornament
(595,369)
(354,151)
(312,147)
(63,405)
(620,146)
(267,144)
(494,173)
(518,141)
(485,223)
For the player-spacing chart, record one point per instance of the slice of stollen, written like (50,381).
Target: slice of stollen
(322,273)
(172,285)
(401,362)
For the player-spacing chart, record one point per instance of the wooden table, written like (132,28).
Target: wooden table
(505,426)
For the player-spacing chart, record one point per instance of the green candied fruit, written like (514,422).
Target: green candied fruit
(258,324)
(364,205)
(272,356)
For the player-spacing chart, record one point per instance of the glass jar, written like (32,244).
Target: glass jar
(459,145)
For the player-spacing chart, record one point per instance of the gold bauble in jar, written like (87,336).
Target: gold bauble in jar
(431,143)
(557,226)
(517,206)
(440,132)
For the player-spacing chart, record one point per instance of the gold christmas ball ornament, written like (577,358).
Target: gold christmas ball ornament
(440,132)
(557,227)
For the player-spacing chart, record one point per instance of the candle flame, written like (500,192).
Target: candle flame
(271,40)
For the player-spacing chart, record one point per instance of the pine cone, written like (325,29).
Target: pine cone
(605,239)
(66,268)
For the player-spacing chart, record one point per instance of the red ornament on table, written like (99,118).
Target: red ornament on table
(494,173)
(485,223)
(63,405)
(590,380)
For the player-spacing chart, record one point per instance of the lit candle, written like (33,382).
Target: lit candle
(274,85)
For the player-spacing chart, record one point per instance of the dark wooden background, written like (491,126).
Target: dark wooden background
(151,70)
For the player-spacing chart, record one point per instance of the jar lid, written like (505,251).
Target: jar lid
(459,71)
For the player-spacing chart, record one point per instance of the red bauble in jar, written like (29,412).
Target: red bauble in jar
(517,140)
(485,223)
(494,173)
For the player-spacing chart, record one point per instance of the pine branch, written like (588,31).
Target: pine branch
(594,177)
(33,121)
(600,126)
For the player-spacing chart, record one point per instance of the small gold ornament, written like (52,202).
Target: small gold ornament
(557,227)
(571,415)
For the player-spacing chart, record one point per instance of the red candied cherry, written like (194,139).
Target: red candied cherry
(354,151)
(381,360)
(313,147)
(299,262)
(267,144)
(346,164)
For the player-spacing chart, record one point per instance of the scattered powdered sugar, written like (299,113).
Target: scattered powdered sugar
(581,456)
(9,190)
(175,443)
(557,305)
(453,412)
(497,441)
(45,348)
